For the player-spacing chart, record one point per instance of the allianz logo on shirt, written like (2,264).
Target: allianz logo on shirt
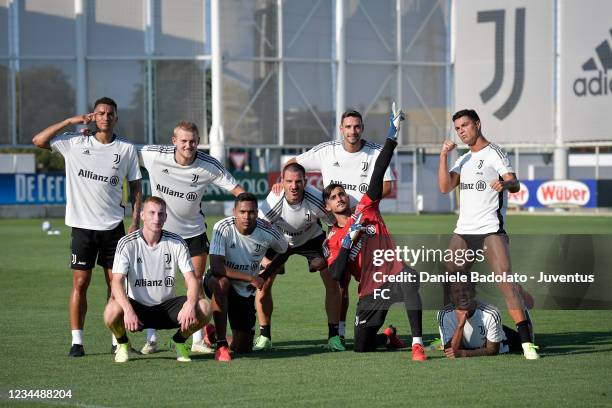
(168,282)
(190,196)
(88,174)
(480,185)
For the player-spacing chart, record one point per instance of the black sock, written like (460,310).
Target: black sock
(178,337)
(332,330)
(222,343)
(381,340)
(265,331)
(123,339)
(415,317)
(523,331)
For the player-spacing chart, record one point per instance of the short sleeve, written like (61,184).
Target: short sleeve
(446,325)
(271,208)
(121,264)
(458,165)
(133,168)
(312,160)
(279,243)
(146,155)
(494,327)
(500,161)
(220,232)
(62,143)
(183,259)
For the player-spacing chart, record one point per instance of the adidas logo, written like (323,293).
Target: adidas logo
(139,260)
(165,171)
(233,245)
(599,84)
(86,152)
(336,164)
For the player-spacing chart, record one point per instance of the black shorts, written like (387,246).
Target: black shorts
(240,310)
(86,245)
(198,245)
(311,250)
(476,241)
(161,317)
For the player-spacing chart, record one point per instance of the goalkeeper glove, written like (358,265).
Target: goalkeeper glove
(353,233)
(395,117)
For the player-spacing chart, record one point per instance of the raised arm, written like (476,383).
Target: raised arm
(43,138)
(447,181)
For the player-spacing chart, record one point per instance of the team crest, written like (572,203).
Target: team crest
(480,164)
(308,217)
(117,158)
(258,248)
(167,258)
(195,178)
(364,166)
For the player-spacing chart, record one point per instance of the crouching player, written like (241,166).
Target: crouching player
(350,246)
(148,259)
(239,244)
(471,328)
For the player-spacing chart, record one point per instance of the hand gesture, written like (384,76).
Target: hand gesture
(395,118)
(448,146)
(354,232)
(82,119)
(497,185)
(277,188)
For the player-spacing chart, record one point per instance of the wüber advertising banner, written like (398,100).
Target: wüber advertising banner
(555,193)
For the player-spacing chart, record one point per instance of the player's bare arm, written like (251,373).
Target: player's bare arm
(136,194)
(43,138)
(130,319)
(453,349)
(387,188)
(446,181)
(236,191)
(219,269)
(509,182)
(187,316)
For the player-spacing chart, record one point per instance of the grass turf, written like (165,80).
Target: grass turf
(575,370)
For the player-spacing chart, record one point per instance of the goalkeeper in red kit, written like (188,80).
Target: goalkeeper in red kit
(350,247)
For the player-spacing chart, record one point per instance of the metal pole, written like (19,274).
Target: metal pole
(560,152)
(516,162)
(149,50)
(281,74)
(596,162)
(217,139)
(341,63)
(81,54)
(13,35)
(398,59)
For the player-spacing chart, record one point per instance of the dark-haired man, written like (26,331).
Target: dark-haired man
(351,244)
(296,213)
(238,245)
(350,163)
(96,166)
(484,175)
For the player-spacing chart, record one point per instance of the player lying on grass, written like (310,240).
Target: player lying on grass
(146,262)
(471,328)
(239,244)
(350,246)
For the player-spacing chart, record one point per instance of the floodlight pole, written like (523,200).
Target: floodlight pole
(560,152)
(341,63)
(216,137)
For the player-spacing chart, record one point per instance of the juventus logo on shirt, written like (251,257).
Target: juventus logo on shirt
(364,166)
(167,258)
(308,217)
(258,248)
(480,164)
(117,159)
(195,178)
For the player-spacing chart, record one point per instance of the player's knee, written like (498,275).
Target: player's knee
(112,313)
(81,282)
(204,312)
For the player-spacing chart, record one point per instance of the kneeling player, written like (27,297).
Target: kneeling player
(351,244)
(239,244)
(471,328)
(148,260)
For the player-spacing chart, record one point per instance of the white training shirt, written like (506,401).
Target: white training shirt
(94,179)
(485,325)
(352,170)
(245,252)
(182,187)
(299,223)
(482,210)
(150,271)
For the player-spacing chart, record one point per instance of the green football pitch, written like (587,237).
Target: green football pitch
(576,345)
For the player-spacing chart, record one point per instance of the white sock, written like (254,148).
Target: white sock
(417,340)
(114,340)
(196,337)
(151,335)
(77,337)
(342,328)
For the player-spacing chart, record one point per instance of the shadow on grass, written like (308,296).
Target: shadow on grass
(569,343)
